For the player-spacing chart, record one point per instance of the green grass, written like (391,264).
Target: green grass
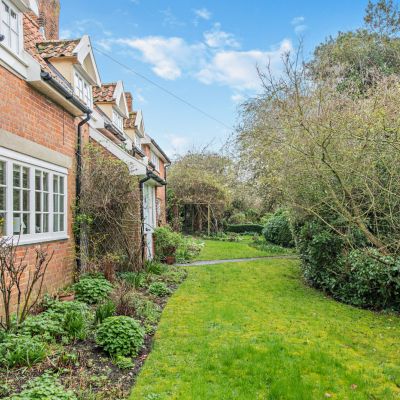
(219,250)
(253,331)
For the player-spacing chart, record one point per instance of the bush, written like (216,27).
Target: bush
(45,387)
(159,289)
(104,310)
(62,320)
(124,362)
(277,230)
(120,336)
(21,350)
(245,228)
(166,242)
(238,218)
(188,249)
(92,290)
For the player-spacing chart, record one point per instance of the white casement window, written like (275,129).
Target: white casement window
(11,27)
(155,160)
(33,199)
(83,90)
(118,120)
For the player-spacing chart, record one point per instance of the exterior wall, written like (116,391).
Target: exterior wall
(28,114)
(49,11)
(160,194)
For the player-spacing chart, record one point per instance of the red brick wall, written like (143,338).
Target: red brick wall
(49,18)
(27,113)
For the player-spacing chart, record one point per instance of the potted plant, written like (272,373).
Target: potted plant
(66,294)
(166,244)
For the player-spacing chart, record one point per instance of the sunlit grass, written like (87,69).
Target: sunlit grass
(253,331)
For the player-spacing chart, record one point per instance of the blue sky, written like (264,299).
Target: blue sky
(203,51)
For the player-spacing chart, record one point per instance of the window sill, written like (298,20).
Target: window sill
(13,61)
(37,239)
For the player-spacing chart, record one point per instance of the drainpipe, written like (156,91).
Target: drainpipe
(141,185)
(165,194)
(79,183)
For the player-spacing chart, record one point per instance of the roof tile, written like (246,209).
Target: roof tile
(105,93)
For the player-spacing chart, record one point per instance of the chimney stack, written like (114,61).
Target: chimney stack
(49,18)
(129,100)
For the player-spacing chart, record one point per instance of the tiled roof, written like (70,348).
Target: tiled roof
(130,122)
(32,36)
(57,48)
(105,93)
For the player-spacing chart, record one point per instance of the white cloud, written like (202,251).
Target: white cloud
(170,19)
(218,38)
(237,69)
(299,24)
(237,98)
(168,56)
(203,13)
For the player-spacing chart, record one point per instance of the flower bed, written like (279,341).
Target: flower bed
(79,345)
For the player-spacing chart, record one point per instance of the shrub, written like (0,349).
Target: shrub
(166,242)
(62,320)
(92,290)
(159,289)
(245,228)
(237,219)
(104,310)
(44,388)
(277,230)
(188,249)
(21,350)
(154,267)
(146,311)
(120,336)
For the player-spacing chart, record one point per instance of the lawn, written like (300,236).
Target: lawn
(219,250)
(252,330)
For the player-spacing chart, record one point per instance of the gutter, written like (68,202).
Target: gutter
(79,185)
(46,76)
(113,129)
(155,144)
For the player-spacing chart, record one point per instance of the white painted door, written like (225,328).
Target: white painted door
(149,205)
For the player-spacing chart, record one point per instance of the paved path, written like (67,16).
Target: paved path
(212,262)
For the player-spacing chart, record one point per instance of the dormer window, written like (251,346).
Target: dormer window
(155,160)
(118,120)
(82,89)
(10,27)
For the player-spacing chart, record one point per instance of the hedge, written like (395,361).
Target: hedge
(245,228)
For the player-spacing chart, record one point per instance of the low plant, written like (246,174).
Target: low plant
(123,362)
(188,249)
(159,289)
(64,321)
(45,387)
(21,350)
(134,279)
(121,297)
(146,310)
(154,267)
(92,290)
(104,310)
(120,335)
(245,228)
(173,275)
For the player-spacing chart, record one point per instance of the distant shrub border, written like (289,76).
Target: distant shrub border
(245,228)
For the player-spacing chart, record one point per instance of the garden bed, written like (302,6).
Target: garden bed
(82,366)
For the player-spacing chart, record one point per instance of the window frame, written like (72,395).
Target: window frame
(118,119)
(12,158)
(155,160)
(84,93)
(20,33)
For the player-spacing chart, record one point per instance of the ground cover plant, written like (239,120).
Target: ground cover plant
(89,348)
(254,330)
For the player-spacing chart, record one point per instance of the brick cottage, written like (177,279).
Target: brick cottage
(52,100)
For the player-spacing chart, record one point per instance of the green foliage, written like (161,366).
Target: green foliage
(277,230)
(166,242)
(134,279)
(159,289)
(123,362)
(145,310)
(21,350)
(224,237)
(120,336)
(68,321)
(245,228)
(92,290)
(154,267)
(188,249)
(104,310)
(46,387)
(238,218)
